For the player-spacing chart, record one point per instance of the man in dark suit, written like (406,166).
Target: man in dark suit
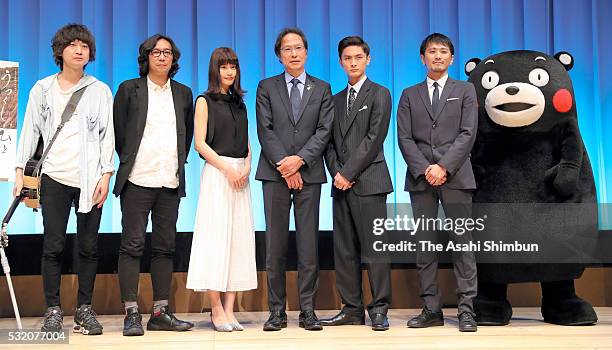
(437,121)
(356,162)
(153,118)
(294,118)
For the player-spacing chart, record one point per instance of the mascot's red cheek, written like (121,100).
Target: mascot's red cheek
(562,101)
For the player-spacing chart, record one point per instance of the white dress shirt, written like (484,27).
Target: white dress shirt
(441,83)
(156,163)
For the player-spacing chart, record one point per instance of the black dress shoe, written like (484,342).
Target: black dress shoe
(166,321)
(343,318)
(309,321)
(132,324)
(379,322)
(276,321)
(467,323)
(427,318)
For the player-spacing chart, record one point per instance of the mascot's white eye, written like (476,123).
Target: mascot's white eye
(490,80)
(538,77)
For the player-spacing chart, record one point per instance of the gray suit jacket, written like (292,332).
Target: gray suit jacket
(280,136)
(356,148)
(445,138)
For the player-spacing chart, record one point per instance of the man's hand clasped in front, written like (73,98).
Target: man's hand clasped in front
(289,168)
(341,183)
(435,174)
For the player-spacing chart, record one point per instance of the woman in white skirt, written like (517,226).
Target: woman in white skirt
(223,247)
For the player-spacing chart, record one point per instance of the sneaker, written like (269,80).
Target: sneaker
(132,324)
(85,321)
(54,320)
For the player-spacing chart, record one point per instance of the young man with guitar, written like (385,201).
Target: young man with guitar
(72,112)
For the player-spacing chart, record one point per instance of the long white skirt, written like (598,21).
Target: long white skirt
(223,245)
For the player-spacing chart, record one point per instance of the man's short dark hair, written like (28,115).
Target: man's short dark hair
(145,49)
(438,39)
(353,41)
(66,35)
(285,31)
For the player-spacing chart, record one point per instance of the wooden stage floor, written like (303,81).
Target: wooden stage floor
(526,331)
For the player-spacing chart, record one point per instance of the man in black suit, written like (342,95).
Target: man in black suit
(294,119)
(437,122)
(356,162)
(153,118)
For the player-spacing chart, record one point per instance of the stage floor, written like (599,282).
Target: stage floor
(526,331)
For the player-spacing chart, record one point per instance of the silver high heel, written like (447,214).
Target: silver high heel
(236,326)
(225,327)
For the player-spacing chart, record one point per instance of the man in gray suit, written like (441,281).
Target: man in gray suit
(356,162)
(437,121)
(294,118)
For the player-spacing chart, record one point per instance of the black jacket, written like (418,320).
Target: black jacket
(130,116)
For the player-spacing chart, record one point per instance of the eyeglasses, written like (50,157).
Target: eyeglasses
(288,49)
(157,53)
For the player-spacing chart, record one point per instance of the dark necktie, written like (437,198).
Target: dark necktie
(435,99)
(351,101)
(296,99)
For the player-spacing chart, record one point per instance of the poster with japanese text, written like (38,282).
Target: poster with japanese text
(9,74)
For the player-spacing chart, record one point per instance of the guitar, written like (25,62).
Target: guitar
(30,192)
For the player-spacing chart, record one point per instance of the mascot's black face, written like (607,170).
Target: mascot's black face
(516,88)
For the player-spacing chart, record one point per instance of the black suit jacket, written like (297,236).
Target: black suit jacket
(356,148)
(445,138)
(130,116)
(280,136)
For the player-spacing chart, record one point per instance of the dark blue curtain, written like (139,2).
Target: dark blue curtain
(393,28)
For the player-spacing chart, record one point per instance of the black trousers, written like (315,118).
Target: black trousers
(56,201)
(277,204)
(456,204)
(353,218)
(136,204)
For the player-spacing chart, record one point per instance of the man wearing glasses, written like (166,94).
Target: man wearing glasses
(153,118)
(294,119)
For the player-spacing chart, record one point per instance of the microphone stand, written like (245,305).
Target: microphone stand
(4,260)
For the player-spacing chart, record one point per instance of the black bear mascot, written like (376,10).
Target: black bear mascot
(532,169)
